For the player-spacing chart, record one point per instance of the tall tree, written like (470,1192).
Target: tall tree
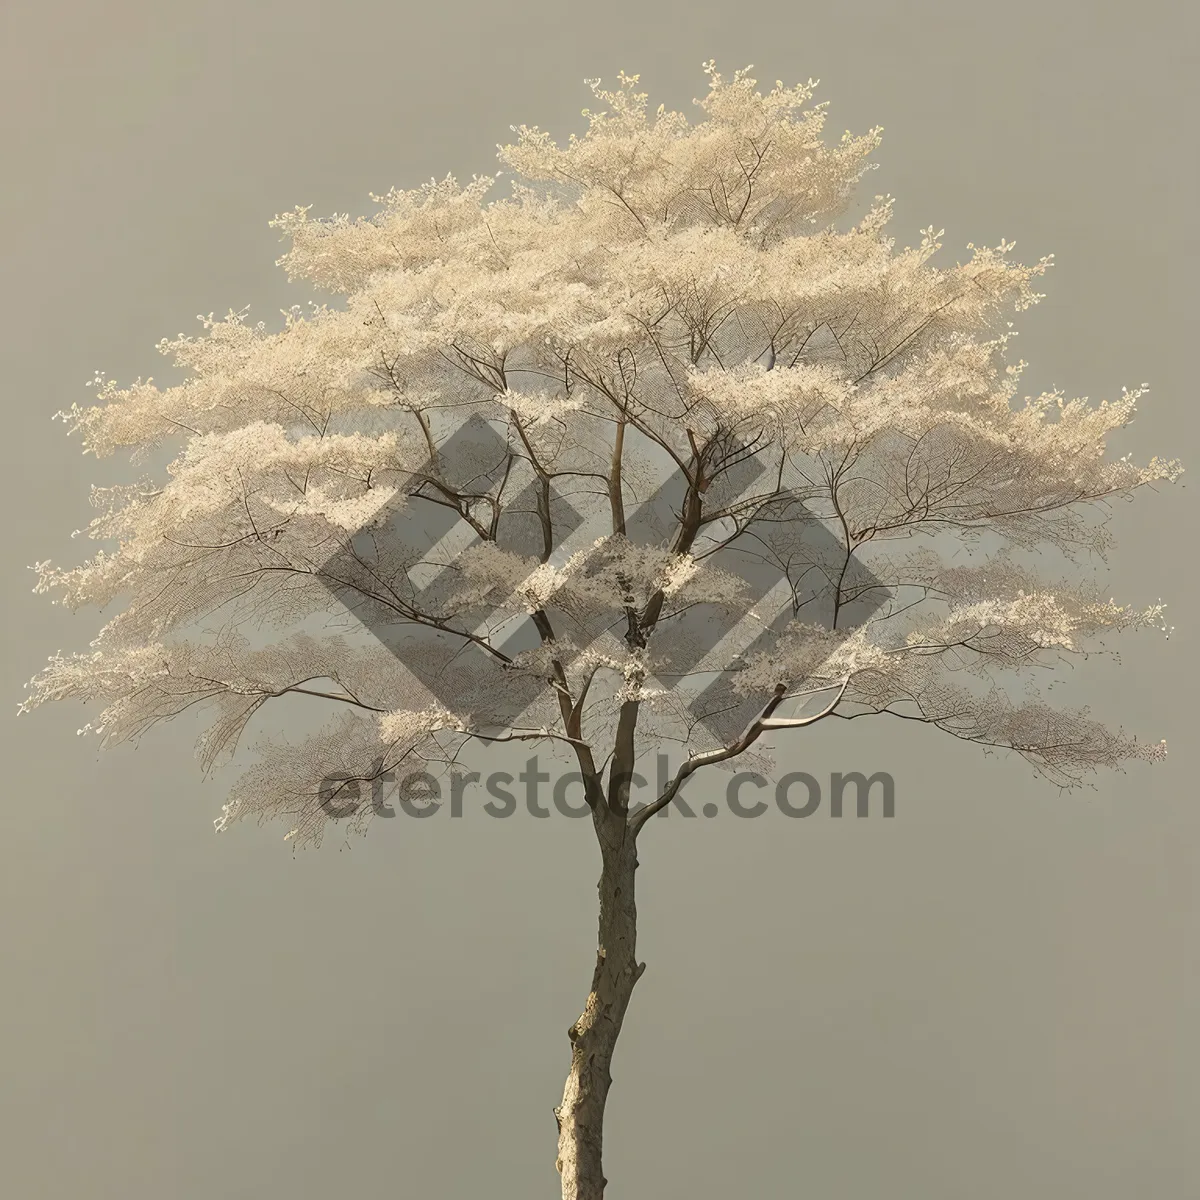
(658,447)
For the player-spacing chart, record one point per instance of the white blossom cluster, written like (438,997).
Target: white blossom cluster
(652,288)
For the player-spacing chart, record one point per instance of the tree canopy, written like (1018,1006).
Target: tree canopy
(737,442)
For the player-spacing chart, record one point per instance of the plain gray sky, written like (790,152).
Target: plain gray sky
(992,995)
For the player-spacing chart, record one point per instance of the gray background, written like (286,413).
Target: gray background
(992,995)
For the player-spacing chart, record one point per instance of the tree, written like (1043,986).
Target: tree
(832,419)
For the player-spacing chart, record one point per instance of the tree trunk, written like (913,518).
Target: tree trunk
(594,1036)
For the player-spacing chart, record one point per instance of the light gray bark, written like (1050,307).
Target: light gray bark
(594,1035)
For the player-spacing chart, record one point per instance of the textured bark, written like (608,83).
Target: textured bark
(594,1035)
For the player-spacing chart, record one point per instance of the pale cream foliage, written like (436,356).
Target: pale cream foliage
(686,287)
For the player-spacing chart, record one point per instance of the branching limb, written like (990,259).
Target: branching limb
(762,723)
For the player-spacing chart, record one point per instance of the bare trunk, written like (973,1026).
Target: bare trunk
(594,1036)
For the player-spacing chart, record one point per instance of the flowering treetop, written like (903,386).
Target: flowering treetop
(693,373)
